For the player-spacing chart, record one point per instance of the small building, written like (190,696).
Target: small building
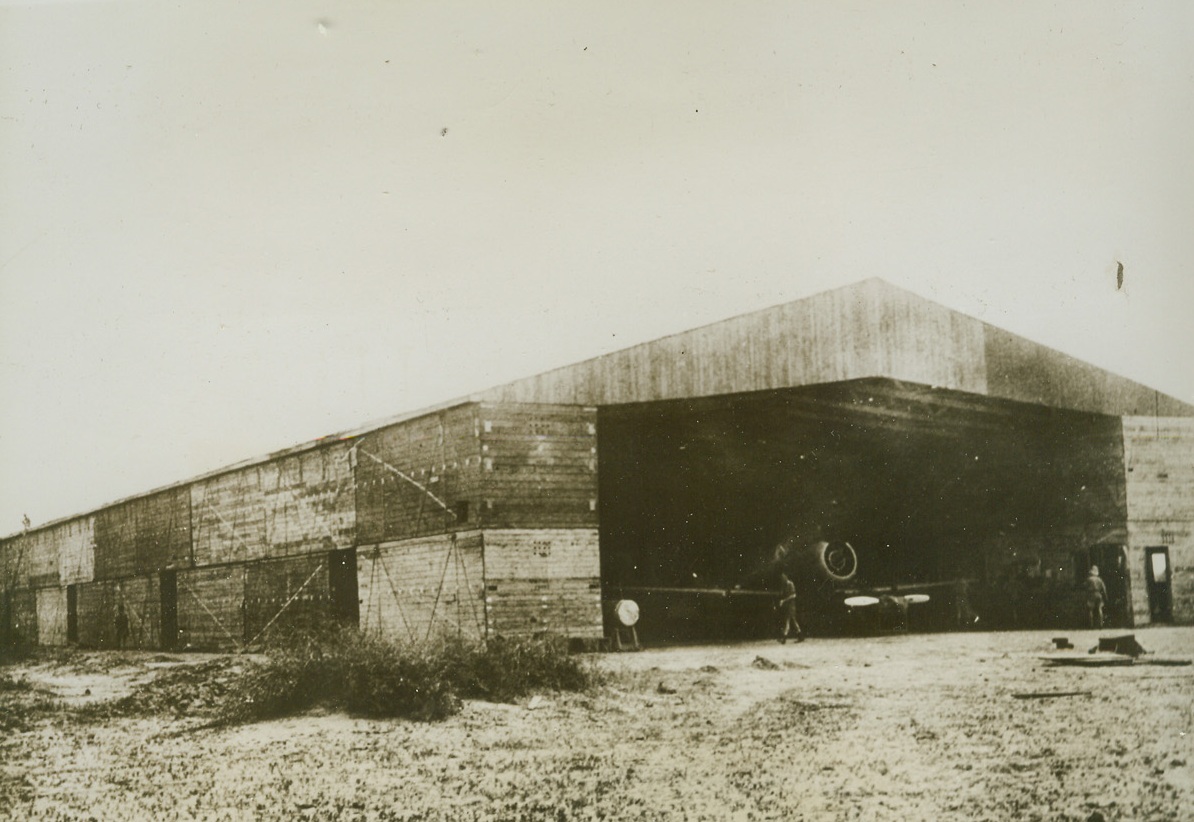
(923,448)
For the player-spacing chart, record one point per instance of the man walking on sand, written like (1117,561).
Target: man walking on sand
(1096,595)
(787,610)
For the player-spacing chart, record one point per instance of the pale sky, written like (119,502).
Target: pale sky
(229,227)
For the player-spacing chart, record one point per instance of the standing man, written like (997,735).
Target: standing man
(1096,595)
(787,610)
(122,625)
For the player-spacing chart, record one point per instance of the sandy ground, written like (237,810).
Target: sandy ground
(895,728)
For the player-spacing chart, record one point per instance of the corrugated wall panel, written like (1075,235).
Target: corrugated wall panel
(417,588)
(283,594)
(51,616)
(211,612)
(310,501)
(543,581)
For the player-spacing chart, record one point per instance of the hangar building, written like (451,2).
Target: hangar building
(863,439)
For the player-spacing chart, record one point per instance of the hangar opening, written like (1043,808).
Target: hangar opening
(981,503)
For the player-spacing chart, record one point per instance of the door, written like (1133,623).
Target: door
(169,609)
(1160,578)
(1112,561)
(342,579)
(72,613)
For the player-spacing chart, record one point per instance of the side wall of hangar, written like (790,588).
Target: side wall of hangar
(943,450)
(476,520)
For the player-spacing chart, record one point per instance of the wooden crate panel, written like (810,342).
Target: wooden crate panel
(24,615)
(97,615)
(144,535)
(14,563)
(310,503)
(1159,474)
(416,477)
(14,570)
(51,616)
(42,549)
(542,554)
(282,594)
(228,517)
(415,589)
(211,607)
(1159,468)
(539,466)
(76,551)
(543,580)
(100,605)
(567,607)
(141,598)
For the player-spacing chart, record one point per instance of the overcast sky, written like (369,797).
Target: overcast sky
(228,227)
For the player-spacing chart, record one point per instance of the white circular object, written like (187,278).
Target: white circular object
(626,611)
(916,599)
(861,602)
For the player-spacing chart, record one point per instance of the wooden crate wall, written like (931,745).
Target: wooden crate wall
(414,589)
(14,565)
(144,535)
(295,504)
(14,570)
(61,554)
(283,594)
(76,550)
(228,518)
(309,501)
(141,598)
(543,581)
(1159,467)
(211,607)
(412,477)
(24,615)
(539,466)
(41,550)
(51,616)
(98,606)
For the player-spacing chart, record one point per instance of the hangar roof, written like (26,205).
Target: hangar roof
(868,329)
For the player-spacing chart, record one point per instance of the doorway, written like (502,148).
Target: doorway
(1159,574)
(1112,561)
(342,580)
(168,588)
